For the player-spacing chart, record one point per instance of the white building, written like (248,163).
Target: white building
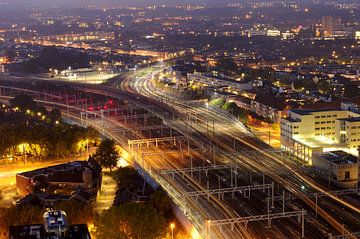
(357,35)
(306,133)
(273,33)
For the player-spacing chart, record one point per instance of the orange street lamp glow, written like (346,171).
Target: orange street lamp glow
(172,226)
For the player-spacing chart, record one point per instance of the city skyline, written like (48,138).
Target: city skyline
(179,119)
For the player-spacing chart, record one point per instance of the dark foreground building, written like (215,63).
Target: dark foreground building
(55,227)
(63,178)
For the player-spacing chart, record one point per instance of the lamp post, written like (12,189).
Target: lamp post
(172,226)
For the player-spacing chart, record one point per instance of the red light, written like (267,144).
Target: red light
(105,107)
(110,102)
(99,108)
(91,108)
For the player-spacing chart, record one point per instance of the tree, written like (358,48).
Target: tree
(161,201)
(15,216)
(351,90)
(23,102)
(106,154)
(324,86)
(228,64)
(55,115)
(131,220)
(76,212)
(124,176)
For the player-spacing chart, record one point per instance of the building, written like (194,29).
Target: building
(308,132)
(357,35)
(340,166)
(66,178)
(228,84)
(83,37)
(268,111)
(27,232)
(55,227)
(273,33)
(56,224)
(330,26)
(48,200)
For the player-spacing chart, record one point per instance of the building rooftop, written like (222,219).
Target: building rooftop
(310,111)
(54,220)
(60,168)
(339,157)
(78,231)
(27,232)
(352,119)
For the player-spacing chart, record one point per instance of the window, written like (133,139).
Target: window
(347,174)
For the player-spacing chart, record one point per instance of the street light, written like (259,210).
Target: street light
(208,225)
(172,226)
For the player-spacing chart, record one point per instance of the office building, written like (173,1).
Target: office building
(357,35)
(306,133)
(330,26)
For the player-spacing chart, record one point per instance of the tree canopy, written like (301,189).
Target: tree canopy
(52,57)
(106,154)
(124,176)
(131,220)
(24,102)
(39,134)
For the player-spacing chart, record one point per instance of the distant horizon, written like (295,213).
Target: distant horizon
(104,3)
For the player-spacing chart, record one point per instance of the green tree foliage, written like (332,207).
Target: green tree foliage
(351,90)
(15,216)
(23,102)
(161,201)
(42,136)
(228,64)
(55,115)
(124,176)
(236,111)
(77,212)
(106,154)
(132,220)
(218,102)
(324,86)
(52,57)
